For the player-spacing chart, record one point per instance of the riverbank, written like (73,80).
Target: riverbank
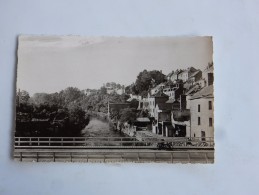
(139,135)
(100,128)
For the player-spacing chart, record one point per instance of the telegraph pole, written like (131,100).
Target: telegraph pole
(108,114)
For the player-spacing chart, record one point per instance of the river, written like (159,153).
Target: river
(99,128)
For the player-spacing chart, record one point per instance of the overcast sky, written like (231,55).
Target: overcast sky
(52,63)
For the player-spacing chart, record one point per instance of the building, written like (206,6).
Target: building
(196,76)
(208,74)
(162,118)
(174,76)
(173,91)
(153,100)
(89,91)
(181,123)
(180,117)
(202,116)
(157,88)
(143,104)
(110,90)
(185,74)
(168,77)
(114,88)
(120,91)
(142,123)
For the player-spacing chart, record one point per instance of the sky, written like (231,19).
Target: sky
(52,63)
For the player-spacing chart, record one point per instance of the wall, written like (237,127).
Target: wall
(204,115)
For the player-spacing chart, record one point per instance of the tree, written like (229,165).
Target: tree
(146,80)
(128,115)
(103,90)
(22,97)
(40,98)
(71,94)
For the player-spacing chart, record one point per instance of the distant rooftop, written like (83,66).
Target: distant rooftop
(206,92)
(171,101)
(159,94)
(195,73)
(143,119)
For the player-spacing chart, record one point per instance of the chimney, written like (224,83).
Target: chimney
(182,102)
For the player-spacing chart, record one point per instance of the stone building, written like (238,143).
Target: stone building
(202,116)
(153,100)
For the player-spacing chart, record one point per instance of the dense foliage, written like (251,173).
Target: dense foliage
(56,114)
(145,81)
(61,114)
(65,113)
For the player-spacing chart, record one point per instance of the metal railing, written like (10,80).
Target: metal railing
(112,142)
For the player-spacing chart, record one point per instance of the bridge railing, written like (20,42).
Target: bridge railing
(137,156)
(111,141)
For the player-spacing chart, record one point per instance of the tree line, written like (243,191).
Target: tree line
(66,113)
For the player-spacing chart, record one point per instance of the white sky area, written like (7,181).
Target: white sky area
(52,63)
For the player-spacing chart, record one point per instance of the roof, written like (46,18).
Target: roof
(171,101)
(143,119)
(170,74)
(158,86)
(159,94)
(206,92)
(131,99)
(209,68)
(165,106)
(193,90)
(195,73)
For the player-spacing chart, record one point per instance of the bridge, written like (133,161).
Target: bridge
(113,149)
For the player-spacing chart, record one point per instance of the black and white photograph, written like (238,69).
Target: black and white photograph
(114,99)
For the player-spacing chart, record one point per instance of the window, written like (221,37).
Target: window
(210,122)
(203,135)
(199,107)
(210,78)
(199,120)
(210,105)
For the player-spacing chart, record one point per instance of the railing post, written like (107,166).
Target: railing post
(62,141)
(37,157)
(19,141)
(86,157)
(172,159)
(189,158)
(70,156)
(38,141)
(49,139)
(21,156)
(30,141)
(206,157)
(73,141)
(54,158)
(104,158)
(138,157)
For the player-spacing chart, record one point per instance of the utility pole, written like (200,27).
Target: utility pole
(108,114)
(19,97)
